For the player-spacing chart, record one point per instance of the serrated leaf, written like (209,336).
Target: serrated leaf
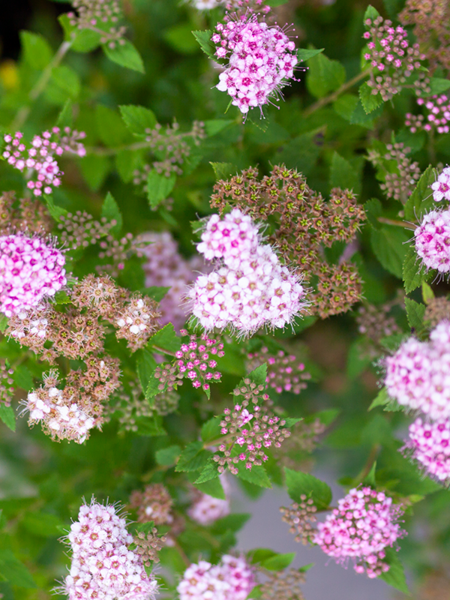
(151,426)
(168,456)
(421,200)
(389,246)
(111,212)
(415,313)
(22,378)
(304,54)
(369,479)
(61,297)
(8,417)
(208,473)
(159,187)
(212,487)
(381,399)
(258,375)
(211,429)
(343,174)
(14,571)
(278,562)
(256,475)
(395,577)
(125,55)
(324,75)
(223,170)
(414,271)
(204,40)
(145,368)
(193,458)
(369,101)
(233,522)
(138,119)
(299,483)
(166,339)
(56,212)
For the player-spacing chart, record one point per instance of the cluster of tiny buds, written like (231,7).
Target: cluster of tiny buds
(148,545)
(397,185)
(284,371)
(438,115)
(39,161)
(100,16)
(301,518)
(6,382)
(392,59)
(153,504)
(194,359)
(282,585)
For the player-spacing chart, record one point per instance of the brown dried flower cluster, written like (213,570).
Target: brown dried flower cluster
(282,585)
(148,544)
(399,184)
(153,504)
(303,224)
(438,309)
(29,216)
(301,518)
(375,322)
(431,20)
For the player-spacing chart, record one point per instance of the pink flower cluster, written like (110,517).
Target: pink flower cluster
(195,359)
(284,372)
(38,162)
(29,271)
(231,579)
(438,115)
(441,187)
(206,509)
(432,240)
(417,374)
(102,566)
(429,445)
(260,59)
(165,267)
(361,528)
(250,288)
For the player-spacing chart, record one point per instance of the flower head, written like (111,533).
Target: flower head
(432,240)
(429,445)
(441,187)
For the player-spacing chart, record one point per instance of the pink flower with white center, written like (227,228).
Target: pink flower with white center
(206,509)
(38,162)
(429,445)
(231,579)
(260,60)
(417,375)
(441,187)
(432,240)
(102,566)
(360,529)
(30,270)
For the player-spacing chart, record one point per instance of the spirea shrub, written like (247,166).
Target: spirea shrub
(224,259)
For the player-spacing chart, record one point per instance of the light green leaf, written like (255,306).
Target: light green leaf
(415,313)
(8,417)
(421,200)
(110,126)
(168,456)
(159,187)
(212,486)
(414,271)
(427,293)
(145,368)
(204,39)
(95,169)
(3,322)
(389,246)
(304,54)
(36,51)
(193,458)
(214,126)
(166,338)
(438,85)
(256,475)
(125,55)
(211,429)
(395,577)
(111,212)
(324,75)
(369,101)
(299,483)
(371,13)
(381,399)
(208,473)
(139,120)
(278,562)
(150,426)
(14,571)
(233,522)
(223,170)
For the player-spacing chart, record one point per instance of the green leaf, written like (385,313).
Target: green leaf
(42,524)
(211,484)
(395,577)
(258,375)
(139,120)
(81,40)
(204,39)
(304,54)
(415,313)
(274,3)
(359,116)
(14,571)
(8,417)
(371,13)
(61,297)
(374,209)
(369,101)
(125,55)
(343,175)
(260,555)
(438,85)
(208,473)
(65,117)
(95,169)
(155,292)
(302,152)
(3,322)
(256,475)
(414,271)
(180,38)
(233,522)
(64,85)
(110,126)
(278,562)
(324,76)
(357,359)
(111,212)
(421,200)
(22,378)
(193,458)
(389,246)
(211,429)
(214,126)
(159,187)
(166,338)
(223,170)
(345,105)
(299,483)
(127,162)
(150,426)
(36,51)
(145,368)
(55,211)
(291,421)
(381,399)
(168,456)
(427,293)
(369,479)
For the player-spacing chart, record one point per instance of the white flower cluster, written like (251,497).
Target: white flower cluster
(250,288)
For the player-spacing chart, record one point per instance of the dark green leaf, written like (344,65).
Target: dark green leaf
(211,486)
(421,200)
(180,38)
(36,51)
(168,456)
(166,339)
(260,555)
(381,399)
(324,75)
(159,187)
(343,175)
(208,473)
(145,368)
(193,458)
(395,577)
(65,117)
(125,55)
(95,169)
(150,426)
(111,212)
(110,126)
(256,475)
(389,246)
(369,479)
(414,271)
(299,483)
(438,85)
(278,562)
(204,39)
(374,209)
(211,429)
(415,313)
(369,101)
(304,54)
(214,126)
(22,378)
(233,522)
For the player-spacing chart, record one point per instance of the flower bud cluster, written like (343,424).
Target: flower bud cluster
(437,117)
(102,565)
(284,371)
(206,509)
(231,579)
(397,185)
(282,585)
(432,240)
(38,162)
(100,16)
(26,215)
(250,428)
(148,544)
(252,288)
(301,519)
(392,59)
(361,528)
(30,270)
(259,59)
(6,383)
(153,504)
